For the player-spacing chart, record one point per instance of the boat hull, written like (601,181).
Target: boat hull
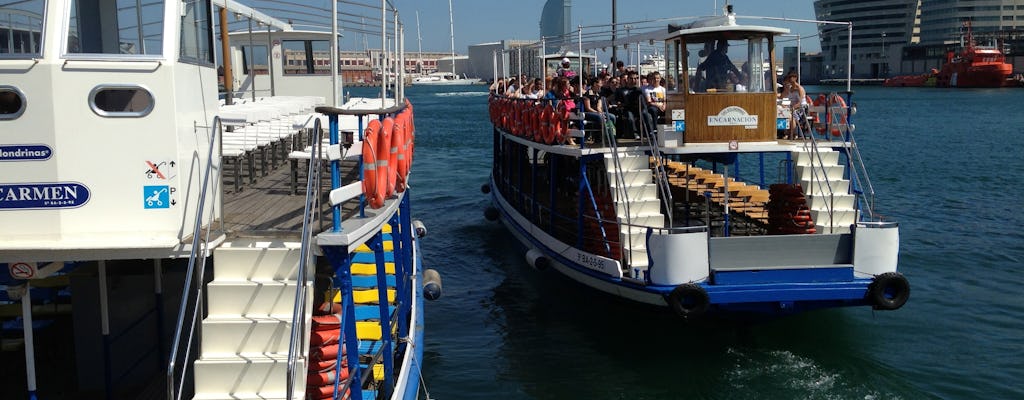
(800,294)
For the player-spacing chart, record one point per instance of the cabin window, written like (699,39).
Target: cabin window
(257,55)
(307,57)
(21,27)
(123,27)
(197,32)
(722,65)
(121,101)
(12,102)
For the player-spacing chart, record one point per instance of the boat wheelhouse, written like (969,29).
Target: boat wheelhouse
(706,210)
(138,272)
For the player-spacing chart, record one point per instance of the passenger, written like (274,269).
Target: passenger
(565,70)
(792,90)
(655,96)
(595,106)
(631,109)
(716,68)
(620,70)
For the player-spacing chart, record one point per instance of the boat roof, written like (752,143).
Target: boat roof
(724,26)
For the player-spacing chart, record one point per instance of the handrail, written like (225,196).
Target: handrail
(217,131)
(801,115)
(312,207)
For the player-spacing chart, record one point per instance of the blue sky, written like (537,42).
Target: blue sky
(481,21)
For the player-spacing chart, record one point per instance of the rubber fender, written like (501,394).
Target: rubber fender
(431,284)
(889,291)
(537,260)
(689,300)
(491,213)
(485,188)
(419,228)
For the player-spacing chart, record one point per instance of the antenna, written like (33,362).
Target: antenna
(451,26)
(419,43)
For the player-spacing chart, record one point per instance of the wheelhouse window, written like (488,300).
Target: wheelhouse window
(257,55)
(21,27)
(121,101)
(720,64)
(197,32)
(122,27)
(306,57)
(12,102)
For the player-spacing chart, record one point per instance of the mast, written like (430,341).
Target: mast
(451,28)
(419,45)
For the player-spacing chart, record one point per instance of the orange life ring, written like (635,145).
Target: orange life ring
(561,123)
(835,101)
(390,141)
(326,352)
(325,378)
(401,135)
(546,119)
(373,190)
(324,337)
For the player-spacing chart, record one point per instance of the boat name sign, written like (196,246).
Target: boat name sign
(27,152)
(733,116)
(43,195)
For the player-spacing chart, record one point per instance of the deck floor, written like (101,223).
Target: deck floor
(269,208)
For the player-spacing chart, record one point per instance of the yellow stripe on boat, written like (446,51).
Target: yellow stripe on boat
(371,269)
(368,330)
(363,248)
(366,296)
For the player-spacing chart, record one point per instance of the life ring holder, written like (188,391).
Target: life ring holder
(689,300)
(889,291)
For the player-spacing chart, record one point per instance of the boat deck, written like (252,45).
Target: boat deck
(270,208)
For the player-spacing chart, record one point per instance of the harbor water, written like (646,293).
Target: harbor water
(945,163)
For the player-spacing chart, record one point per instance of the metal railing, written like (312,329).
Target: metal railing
(297,342)
(217,130)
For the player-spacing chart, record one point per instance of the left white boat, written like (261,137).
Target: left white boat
(163,240)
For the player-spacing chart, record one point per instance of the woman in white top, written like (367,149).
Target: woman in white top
(792,90)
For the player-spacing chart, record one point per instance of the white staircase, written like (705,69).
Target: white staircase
(244,346)
(644,207)
(828,194)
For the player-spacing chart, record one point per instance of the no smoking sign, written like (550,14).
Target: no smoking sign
(21,270)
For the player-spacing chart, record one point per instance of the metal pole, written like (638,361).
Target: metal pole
(158,297)
(335,80)
(543,64)
(494,55)
(396,59)
(383,51)
(451,26)
(270,60)
(401,58)
(614,26)
(799,77)
(519,63)
(252,73)
(580,57)
(849,55)
(225,51)
(138,24)
(26,326)
(105,329)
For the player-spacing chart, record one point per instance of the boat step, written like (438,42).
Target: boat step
(820,187)
(832,229)
(824,157)
(646,191)
(643,207)
(252,375)
(837,201)
(241,260)
(644,220)
(251,299)
(228,336)
(830,172)
(835,218)
(632,178)
(627,162)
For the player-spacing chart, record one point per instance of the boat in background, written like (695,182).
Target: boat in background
(440,77)
(443,78)
(124,181)
(973,67)
(707,212)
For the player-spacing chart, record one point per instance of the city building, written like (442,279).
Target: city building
(876,25)
(555,23)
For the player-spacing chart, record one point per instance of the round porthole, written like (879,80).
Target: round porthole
(12,102)
(121,101)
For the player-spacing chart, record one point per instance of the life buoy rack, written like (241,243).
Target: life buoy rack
(689,300)
(889,291)
(373,189)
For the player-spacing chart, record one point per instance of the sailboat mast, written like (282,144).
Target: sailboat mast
(451,26)
(419,44)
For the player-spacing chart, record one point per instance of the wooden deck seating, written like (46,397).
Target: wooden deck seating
(744,199)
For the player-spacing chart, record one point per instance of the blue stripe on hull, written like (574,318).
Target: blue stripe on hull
(809,275)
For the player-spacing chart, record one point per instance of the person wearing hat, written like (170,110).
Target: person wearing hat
(565,70)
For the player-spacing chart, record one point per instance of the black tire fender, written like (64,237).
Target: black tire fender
(889,291)
(689,300)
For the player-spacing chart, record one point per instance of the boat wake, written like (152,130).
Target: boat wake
(793,376)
